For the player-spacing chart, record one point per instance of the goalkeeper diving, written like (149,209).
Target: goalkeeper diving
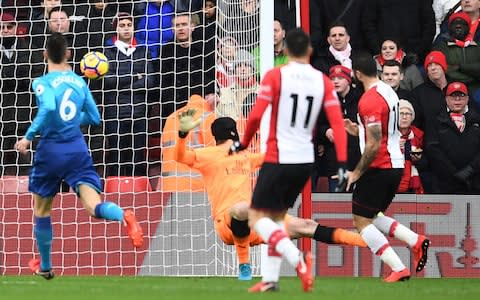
(227,179)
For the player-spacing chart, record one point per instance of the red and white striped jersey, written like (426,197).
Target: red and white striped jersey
(295,94)
(379,106)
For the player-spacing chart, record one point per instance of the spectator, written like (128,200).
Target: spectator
(246,31)
(99,22)
(454,145)
(326,159)
(428,98)
(155,26)
(279,56)
(20,9)
(234,99)
(324,13)
(177,177)
(338,53)
(39,21)
(208,24)
(411,144)
(441,8)
(472,8)
(392,51)
(18,65)
(411,22)
(392,74)
(228,51)
(126,84)
(463,55)
(185,69)
(285,12)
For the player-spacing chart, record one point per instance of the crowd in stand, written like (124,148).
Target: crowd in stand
(162,52)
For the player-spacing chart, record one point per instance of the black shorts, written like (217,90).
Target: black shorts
(278,185)
(374,191)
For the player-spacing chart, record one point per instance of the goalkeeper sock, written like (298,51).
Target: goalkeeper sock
(44,236)
(345,237)
(109,211)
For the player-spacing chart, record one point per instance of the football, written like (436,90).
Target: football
(94,65)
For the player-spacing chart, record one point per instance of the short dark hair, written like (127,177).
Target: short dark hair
(393,63)
(337,24)
(297,42)
(57,9)
(56,47)
(364,62)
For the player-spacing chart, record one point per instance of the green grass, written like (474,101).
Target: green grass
(200,288)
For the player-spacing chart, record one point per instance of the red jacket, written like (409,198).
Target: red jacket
(410,181)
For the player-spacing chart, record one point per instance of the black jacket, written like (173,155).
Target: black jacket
(184,72)
(411,22)
(427,100)
(450,150)
(125,93)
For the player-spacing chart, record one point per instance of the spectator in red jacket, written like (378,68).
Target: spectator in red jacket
(411,144)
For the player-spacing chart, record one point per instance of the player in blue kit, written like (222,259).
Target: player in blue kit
(64,103)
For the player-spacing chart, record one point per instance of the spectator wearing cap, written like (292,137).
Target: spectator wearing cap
(428,100)
(326,160)
(393,74)
(18,65)
(429,97)
(462,55)
(391,50)
(472,9)
(129,77)
(411,145)
(339,51)
(237,99)
(454,145)
(184,67)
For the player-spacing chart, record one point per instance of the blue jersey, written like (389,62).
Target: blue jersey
(64,103)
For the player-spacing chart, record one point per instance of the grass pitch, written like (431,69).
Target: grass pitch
(210,288)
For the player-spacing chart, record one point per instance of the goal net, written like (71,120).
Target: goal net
(132,149)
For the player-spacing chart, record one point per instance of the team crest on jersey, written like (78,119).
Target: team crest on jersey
(39,90)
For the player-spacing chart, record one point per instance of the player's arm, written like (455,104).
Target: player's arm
(333,111)
(268,89)
(256,160)
(372,144)
(89,114)
(46,104)
(187,123)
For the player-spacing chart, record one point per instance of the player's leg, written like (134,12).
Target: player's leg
(298,227)
(43,236)
(417,242)
(238,214)
(365,208)
(276,190)
(83,178)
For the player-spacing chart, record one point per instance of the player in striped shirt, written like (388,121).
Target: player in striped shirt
(377,175)
(227,179)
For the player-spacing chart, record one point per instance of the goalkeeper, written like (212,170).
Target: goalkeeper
(227,179)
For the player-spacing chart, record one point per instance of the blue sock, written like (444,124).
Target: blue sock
(109,211)
(44,235)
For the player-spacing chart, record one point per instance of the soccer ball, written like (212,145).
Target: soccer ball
(94,65)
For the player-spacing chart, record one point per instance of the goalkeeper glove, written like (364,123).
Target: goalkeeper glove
(342,178)
(236,147)
(187,122)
